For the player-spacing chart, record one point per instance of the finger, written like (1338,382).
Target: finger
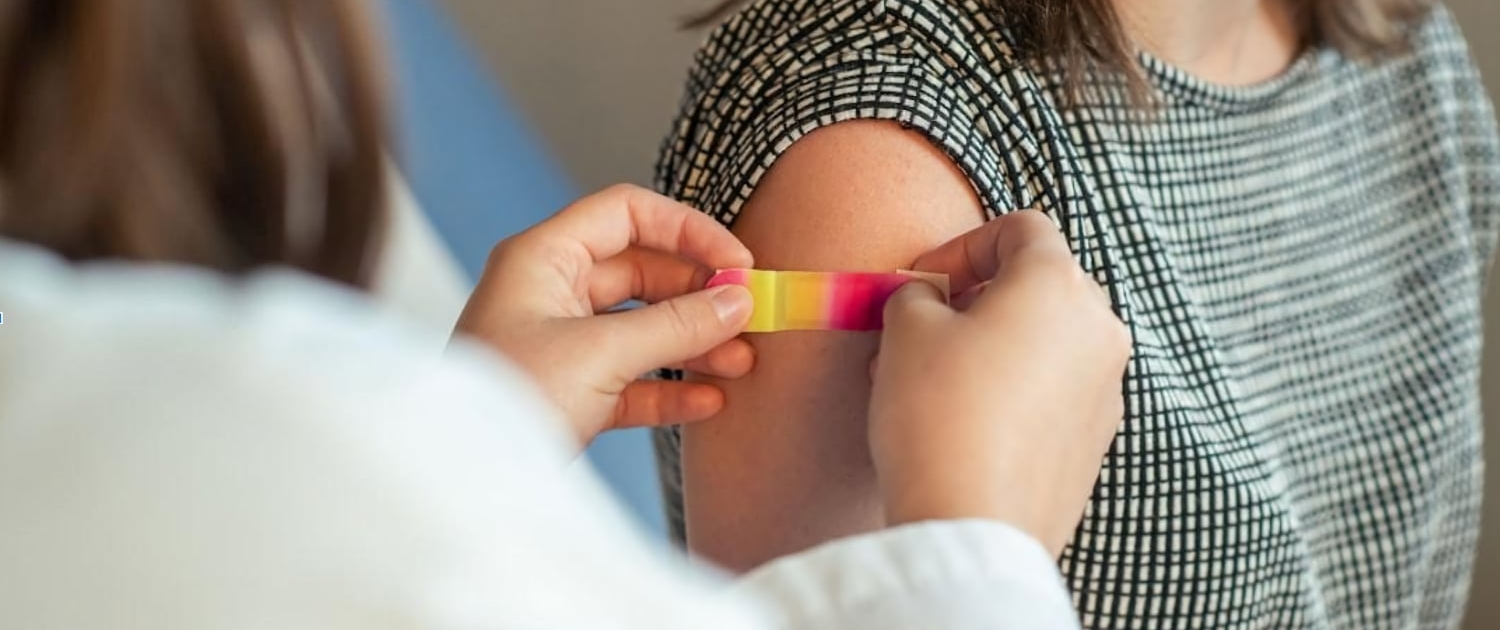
(963,301)
(608,222)
(977,256)
(911,315)
(678,329)
(913,308)
(643,274)
(658,403)
(914,302)
(732,359)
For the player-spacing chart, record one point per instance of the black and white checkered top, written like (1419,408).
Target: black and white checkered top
(1300,263)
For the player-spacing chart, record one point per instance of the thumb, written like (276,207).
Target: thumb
(914,302)
(679,329)
(909,313)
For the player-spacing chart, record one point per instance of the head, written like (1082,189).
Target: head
(229,134)
(1073,37)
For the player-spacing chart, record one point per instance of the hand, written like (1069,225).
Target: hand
(546,296)
(1003,410)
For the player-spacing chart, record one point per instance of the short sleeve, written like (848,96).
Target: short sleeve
(1481,154)
(781,70)
(1469,124)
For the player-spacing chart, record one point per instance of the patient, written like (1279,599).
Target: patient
(1293,205)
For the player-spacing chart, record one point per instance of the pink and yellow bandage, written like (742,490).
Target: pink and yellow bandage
(811,300)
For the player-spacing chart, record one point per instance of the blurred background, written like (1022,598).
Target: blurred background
(514,106)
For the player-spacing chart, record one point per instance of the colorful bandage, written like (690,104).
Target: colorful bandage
(810,300)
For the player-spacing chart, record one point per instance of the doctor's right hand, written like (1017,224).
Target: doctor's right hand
(549,300)
(1003,410)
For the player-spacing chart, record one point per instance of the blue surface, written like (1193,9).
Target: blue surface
(481,174)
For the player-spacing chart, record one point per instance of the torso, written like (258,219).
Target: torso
(1300,262)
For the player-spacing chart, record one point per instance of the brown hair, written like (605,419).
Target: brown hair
(1074,36)
(229,134)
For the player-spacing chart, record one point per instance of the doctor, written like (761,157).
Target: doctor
(201,428)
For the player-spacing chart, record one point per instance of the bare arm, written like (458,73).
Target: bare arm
(786,465)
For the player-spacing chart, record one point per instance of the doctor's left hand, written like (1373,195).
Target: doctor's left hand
(546,297)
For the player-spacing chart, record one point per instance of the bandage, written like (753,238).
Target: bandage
(810,300)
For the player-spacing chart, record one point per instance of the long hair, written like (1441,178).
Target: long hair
(230,134)
(1074,37)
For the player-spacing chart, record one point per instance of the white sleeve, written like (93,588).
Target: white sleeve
(941,576)
(209,458)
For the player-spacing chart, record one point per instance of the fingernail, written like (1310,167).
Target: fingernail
(732,303)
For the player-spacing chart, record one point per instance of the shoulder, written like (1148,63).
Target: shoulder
(769,18)
(781,69)
(1438,82)
(860,195)
(1434,95)
(1438,33)
(793,37)
(1439,63)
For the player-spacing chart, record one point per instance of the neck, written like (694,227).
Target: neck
(1231,42)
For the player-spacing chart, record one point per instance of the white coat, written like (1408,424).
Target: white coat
(182,451)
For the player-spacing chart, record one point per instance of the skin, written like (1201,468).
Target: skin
(948,439)
(1228,42)
(546,296)
(945,442)
(787,464)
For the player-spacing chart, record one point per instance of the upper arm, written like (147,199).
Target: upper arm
(786,465)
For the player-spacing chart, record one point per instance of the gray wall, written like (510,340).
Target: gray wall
(601,80)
